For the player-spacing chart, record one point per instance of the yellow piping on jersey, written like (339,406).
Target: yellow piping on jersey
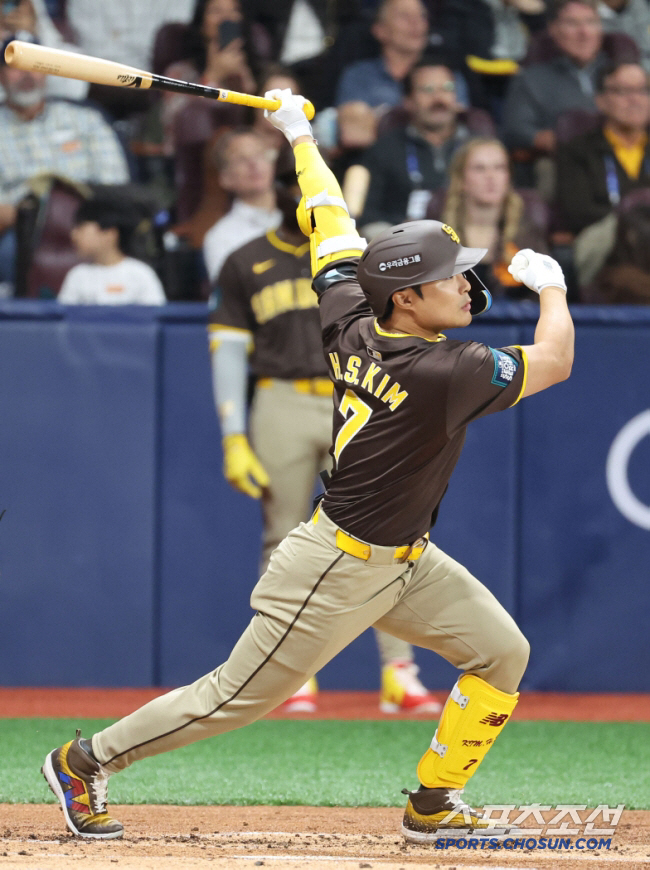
(524,359)
(296,250)
(381,331)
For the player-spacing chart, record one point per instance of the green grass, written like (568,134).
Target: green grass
(333,763)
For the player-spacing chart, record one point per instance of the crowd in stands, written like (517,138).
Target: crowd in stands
(521,123)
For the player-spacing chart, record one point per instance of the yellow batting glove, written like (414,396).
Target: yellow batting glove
(241,468)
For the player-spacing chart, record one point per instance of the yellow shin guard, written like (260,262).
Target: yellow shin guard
(472,719)
(322,213)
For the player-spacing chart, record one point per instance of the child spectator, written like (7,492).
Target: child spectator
(102,235)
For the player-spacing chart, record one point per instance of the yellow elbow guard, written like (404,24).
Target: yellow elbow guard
(472,719)
(322,212)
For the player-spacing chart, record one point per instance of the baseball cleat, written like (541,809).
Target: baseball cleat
(80,784)
(402,692)
(439,813)
(305,700)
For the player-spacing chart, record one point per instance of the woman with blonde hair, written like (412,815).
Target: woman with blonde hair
(487,212)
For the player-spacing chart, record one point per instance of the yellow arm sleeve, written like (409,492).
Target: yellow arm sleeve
(322,213)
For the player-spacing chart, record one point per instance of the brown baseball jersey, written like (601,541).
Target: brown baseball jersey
(265,288)
(402,404)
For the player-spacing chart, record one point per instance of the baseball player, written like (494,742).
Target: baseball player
(265,300)
(403,399)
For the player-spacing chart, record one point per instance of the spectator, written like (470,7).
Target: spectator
(631,17)
(596,169)
(102,235)
(486,39)
(30,18)
(246,168)
(540,92)
(402,30)
(218,59)
(38,136)
(313,38)
(487,212)
(409,162)
(124,30)
(625,277)
(488,29)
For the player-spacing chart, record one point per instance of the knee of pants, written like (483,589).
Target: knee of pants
(509,660)
(517,654)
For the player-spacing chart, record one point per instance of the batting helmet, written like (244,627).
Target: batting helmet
(414,253)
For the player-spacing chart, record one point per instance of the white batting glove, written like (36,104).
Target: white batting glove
(536,271)
(290,118)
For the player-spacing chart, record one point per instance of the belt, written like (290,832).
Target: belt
(362,550)
(307,386)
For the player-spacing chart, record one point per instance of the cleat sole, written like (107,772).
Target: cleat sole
(423,837)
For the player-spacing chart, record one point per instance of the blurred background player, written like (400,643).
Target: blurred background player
(102,235)
(265,305)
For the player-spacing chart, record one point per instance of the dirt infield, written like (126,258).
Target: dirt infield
(225,838)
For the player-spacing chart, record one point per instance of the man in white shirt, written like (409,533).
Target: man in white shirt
(246,170)
(123,30)
(102,235)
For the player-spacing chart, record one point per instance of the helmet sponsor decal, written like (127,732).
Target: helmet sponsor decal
(451,232)
(401,261)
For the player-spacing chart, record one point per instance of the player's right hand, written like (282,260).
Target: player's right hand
(536,271)
(290,118)
(241,468)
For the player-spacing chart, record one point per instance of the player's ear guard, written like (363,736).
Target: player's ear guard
(479,295)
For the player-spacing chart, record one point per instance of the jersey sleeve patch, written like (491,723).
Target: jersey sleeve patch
(505,368)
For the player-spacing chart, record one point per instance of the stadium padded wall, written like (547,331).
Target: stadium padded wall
(126,560)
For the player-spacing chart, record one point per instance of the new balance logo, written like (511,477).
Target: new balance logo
(494,719)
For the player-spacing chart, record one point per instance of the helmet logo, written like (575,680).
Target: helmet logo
(401,261)
(451,233)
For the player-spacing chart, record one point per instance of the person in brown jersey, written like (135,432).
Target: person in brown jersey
(264,305)
(403,399)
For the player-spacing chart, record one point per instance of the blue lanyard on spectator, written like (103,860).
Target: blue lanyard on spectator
(413,165)
(611,178)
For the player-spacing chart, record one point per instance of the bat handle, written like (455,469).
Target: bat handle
(262,102)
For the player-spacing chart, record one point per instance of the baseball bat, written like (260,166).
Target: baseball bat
(56,62)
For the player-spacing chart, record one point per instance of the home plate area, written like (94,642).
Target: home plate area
(161,837)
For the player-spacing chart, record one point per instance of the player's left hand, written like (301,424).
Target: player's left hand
(290,118)
(536,271)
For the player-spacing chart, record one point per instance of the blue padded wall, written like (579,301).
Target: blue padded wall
(126,560)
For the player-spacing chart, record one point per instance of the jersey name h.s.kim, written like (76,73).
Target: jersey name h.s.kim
(402,404)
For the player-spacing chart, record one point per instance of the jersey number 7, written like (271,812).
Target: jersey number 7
(353,423)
